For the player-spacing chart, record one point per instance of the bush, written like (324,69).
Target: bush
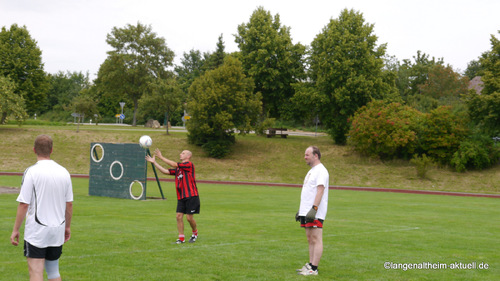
(440,133)
(476,152)
(217,148)
(264,125)
(423,164)
(38,122)
(384,130)
(57,115)
(484,110)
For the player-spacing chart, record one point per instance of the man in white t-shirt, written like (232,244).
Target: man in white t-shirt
(46,201)
(313,208)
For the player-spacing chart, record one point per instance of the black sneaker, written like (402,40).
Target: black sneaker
(193,238)
(179,241)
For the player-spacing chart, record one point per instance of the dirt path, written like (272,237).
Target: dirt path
(5,189)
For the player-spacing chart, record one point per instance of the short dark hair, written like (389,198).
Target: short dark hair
(43,145)
(315,150)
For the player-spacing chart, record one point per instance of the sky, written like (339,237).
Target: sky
(72,33)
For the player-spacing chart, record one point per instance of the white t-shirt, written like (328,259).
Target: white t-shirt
(318,175)
(46,187)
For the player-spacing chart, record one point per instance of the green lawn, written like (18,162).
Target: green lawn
(248,233)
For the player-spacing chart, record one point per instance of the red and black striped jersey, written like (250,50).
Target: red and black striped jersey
(185,180)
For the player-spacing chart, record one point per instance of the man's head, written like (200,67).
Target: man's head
(312,156)
(186,155)
(43,146)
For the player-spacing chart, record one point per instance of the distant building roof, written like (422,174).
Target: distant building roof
(477,84)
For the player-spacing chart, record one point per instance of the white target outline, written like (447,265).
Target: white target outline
(92,155)
(111,170)
(130,190)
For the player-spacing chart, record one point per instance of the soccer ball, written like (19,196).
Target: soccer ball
(145,141)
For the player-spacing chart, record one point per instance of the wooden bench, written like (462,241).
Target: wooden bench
(271,132)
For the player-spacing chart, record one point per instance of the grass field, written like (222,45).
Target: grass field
(248,233)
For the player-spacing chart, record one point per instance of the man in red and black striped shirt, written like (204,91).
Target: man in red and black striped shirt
(188,201)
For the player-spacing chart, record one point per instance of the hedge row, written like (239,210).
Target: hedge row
(394,130)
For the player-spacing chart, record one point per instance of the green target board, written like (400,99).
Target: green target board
(118,170)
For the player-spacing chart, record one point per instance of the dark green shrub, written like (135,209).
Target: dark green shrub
(217,148)
(476,152)
(484,111)
(440,133)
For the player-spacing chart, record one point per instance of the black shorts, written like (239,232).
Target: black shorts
(315,224)
(189,206)
(49,253)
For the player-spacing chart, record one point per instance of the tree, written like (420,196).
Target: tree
(164,99)
(413,74)
(346,67)
(194,64)
(443,86)
(191,68)
(10,103)
(215,59)
(484,109)
(474,69)
(221,103)
(85,104)
(64,87)
(21,62)
(389,76)
(420,70)
(270,58)
(426,83)
(138,57)
(490,63)
(305,103)
(109,100)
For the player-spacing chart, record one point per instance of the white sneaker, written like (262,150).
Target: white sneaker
(304,267)
(308,272)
